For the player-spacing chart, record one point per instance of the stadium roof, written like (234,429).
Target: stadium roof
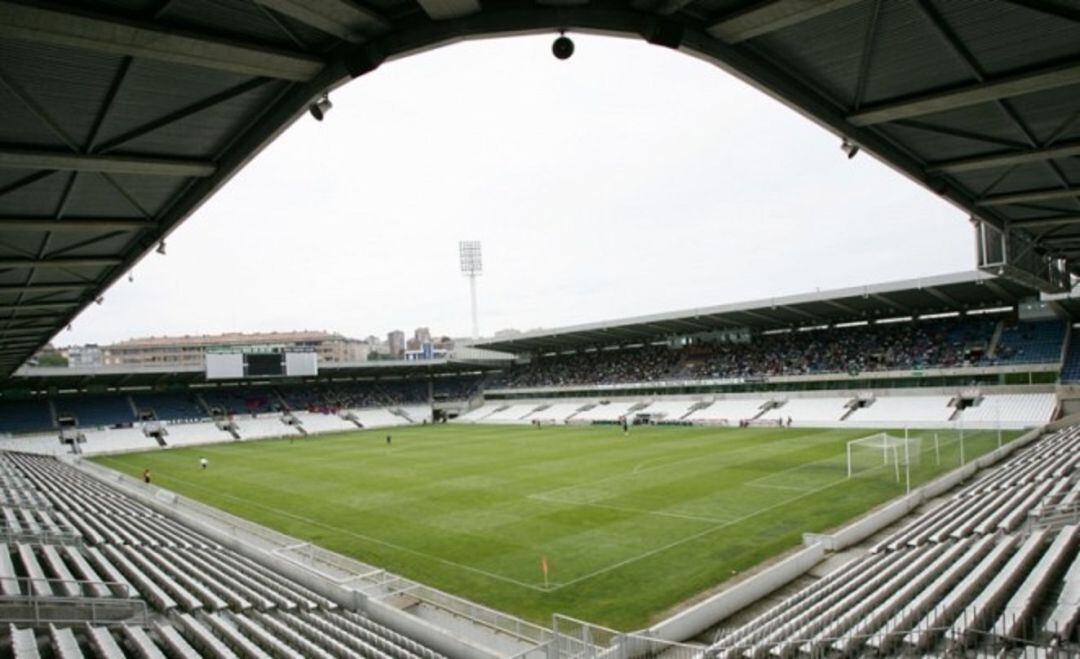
(120,117)
(965,291)
(81,377)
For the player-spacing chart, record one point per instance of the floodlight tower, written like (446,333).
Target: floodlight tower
(472,267)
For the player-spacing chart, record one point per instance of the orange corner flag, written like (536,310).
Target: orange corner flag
(544,569)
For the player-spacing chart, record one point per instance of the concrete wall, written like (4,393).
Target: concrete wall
(696,619)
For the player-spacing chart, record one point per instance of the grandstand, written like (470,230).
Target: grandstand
(111,573)
(979,366)
(120,121)
(978,571)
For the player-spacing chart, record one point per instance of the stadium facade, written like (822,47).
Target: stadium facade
(191,350)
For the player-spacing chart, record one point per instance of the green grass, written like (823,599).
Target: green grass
(631,526)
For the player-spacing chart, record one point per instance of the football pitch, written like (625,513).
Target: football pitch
(630,526)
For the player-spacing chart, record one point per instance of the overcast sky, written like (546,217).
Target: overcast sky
(630,179)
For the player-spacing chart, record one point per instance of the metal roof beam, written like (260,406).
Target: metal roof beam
(21,224)
(33,321)
(183,113)
(108,34)
(1010,159)
(20,332)
(441,10)
(67,161)
(340,18)
(61,262)
(1034,195)
(903,308)
(761,317)
(972,94)
(941,295)
(765,17)
(800,312)
(999,290)
(44,288)
(843,307)
(40,306)
(1051,8)
(1036,222)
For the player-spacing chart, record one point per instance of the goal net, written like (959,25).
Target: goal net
(883,452)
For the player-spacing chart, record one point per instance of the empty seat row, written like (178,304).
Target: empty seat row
(213,601)
(952,580)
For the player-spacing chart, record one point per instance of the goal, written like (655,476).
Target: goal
(882,451)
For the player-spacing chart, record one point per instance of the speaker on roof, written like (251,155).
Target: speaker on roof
(363,59)
(664,32)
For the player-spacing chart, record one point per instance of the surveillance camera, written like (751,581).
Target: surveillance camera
(563,47)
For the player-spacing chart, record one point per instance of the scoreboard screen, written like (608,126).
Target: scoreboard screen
(260,365)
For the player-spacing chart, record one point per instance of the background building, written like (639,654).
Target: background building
(191,350)
(395,343)
(90,354)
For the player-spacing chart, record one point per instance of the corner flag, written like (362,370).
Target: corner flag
(544,569)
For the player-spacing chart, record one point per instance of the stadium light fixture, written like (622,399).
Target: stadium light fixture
(161,248)
(320,107)
(472,266)
(99,300)
(850,148)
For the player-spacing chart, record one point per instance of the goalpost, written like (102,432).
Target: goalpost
(882,451)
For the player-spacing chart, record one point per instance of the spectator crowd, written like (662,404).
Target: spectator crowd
(941,343)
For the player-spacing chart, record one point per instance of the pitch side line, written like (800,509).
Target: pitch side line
(695,536)
(331,527)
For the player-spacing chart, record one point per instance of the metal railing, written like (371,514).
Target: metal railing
(41,537)
(962,634)
(1055,516)
(577,639)
(36,607)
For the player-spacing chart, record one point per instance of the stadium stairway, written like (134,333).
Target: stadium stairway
(1070,370)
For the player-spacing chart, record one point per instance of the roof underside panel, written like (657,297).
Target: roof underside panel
(65,87)
(32,192)
(240,17)
(152,91)
(101,195)
(833,65)
(120,110)
(908,55)
(1006,36)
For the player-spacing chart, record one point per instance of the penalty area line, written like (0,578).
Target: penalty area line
(639,511)
(700,534)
